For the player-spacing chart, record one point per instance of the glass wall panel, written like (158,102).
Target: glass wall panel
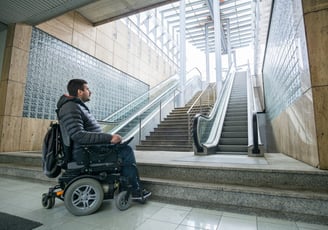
(3,35)
(52,63)
(285,61)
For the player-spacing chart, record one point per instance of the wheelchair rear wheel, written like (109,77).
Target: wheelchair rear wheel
(84,197)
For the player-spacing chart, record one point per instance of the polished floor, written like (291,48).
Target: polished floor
(23,198)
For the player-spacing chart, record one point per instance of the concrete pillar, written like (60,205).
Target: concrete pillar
(316,30)
(229,43)
(217,32)
(182,51)
(12,87)
(208,75)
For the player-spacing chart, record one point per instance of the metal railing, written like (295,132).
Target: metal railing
(139,102)
(205,99)
(145,112)
(254,138)
(207,129)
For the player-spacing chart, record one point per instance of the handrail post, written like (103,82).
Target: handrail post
(139,130)
(189,129)
(255,149)
(160,111)
(254,140)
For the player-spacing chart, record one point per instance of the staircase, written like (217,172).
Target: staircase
(268,190)
(234,134)
(172,134)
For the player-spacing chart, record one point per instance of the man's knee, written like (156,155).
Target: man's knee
(127,154)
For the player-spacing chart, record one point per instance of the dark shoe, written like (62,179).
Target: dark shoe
(140,195)
(146,193)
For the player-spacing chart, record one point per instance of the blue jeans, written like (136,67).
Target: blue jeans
(129,168)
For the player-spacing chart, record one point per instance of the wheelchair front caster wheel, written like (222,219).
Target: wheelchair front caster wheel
(123,201)
(48,201)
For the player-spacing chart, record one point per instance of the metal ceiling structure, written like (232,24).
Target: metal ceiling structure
(236,16)
(237,20)
(241,23)
(33,12)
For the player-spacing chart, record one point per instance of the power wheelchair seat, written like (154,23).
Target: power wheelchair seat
(83,187)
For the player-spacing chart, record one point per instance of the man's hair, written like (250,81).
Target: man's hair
(74,85)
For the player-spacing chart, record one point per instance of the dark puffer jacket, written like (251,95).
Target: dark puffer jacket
(78,126)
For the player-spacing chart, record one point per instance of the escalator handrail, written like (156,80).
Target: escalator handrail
(156,100)
(254,138)
(146,94)
(217,116)
(174,88)
(174,77)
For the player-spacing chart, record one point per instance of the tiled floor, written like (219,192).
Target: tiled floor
(23,198)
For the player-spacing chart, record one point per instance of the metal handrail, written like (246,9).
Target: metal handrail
(254,138)
(158,99)
(192,111)
(156,105)
(143,96)
(207,129)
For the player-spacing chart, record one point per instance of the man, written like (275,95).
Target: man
(80,127)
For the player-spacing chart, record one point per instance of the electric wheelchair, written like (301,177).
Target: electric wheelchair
(83,187)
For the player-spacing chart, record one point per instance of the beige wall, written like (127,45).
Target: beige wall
(316,27)
(17,133)
(113,44)
(294,131)
(301,131)
(108,43)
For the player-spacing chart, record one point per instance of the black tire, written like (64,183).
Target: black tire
(84,197)
(48,201)
(122,201)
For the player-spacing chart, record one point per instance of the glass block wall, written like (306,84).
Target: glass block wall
(284,57)
(52,63)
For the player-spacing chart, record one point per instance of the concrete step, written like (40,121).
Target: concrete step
(167,137)
(173,125)
(302,194)
(173,148)
(167,142)
(254,177)
(30,158)
(295,204)
(169,129)
(174,119)
(168,132)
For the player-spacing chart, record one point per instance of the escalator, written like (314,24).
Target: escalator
(231,128)
(234,135)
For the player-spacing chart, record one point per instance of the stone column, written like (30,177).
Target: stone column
(12,86)
(316,29)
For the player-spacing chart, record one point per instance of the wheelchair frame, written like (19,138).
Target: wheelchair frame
(84,187)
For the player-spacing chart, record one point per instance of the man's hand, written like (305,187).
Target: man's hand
(116,139)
